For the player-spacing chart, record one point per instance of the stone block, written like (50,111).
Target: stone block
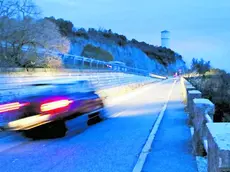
(204,106)
(218,147)
(193,94)
(186,86)
(201,107)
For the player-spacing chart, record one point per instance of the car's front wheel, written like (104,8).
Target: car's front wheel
(97,117)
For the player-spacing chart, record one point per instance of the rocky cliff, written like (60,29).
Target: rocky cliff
(128,54)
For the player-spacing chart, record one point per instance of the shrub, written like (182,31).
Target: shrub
(96,53)
(200,66)
(215,85)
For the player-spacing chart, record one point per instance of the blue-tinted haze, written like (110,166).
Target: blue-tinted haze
(199,28)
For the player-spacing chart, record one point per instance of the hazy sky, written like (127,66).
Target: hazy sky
(199,28)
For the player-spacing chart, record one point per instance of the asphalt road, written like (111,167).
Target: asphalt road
(171,150)
(113,145)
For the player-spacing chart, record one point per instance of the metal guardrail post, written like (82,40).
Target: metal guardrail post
(83,63)
(91,63)
(97,64)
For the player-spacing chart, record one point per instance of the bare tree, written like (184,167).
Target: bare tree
(40,38)
(26,40)
(18,8)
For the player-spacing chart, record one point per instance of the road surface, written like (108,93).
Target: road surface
(113,145)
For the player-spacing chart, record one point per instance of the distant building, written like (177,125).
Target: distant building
(165,39)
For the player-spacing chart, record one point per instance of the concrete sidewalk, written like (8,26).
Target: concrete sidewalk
(172,149)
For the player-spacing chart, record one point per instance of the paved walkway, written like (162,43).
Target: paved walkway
(171,148)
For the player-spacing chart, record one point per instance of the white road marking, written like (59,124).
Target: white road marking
(147,147)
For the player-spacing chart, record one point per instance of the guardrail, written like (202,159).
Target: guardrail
(81,62)
(209,138)
(12,87)
(95,77)
(101,74)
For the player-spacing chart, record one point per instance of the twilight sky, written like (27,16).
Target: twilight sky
(199,28)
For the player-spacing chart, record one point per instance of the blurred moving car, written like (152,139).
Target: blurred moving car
(47,107)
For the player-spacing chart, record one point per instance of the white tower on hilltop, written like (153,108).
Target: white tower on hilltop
(165,38)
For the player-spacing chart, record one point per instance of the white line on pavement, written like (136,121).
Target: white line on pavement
(147,147)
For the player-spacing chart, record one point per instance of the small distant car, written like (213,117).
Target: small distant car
(47,106)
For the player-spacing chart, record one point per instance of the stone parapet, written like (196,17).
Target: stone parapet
(186,86)
(218,147)
(193,94)
(203,111)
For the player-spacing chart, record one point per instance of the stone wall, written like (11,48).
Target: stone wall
(209,138)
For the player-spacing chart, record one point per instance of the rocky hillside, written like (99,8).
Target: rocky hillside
(106,45)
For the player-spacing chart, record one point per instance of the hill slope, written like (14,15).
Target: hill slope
(118,47)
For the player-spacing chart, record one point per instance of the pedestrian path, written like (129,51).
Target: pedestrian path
(172,147)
